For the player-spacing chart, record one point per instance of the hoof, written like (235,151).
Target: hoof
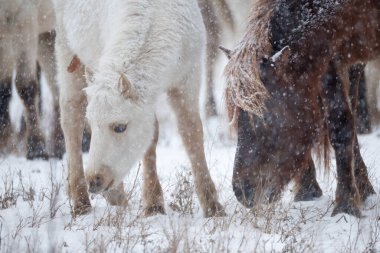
(81,209)
(216,210)
(308,193)
(366,191)
(154,210)
(58,154)
(348,207)
(36,148)
(37,153)
(58,149)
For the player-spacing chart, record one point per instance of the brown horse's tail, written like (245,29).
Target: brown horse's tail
(322,146)
(244,88)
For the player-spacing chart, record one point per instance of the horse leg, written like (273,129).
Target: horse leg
(364,185)
(340,123)
(359,99)
(5,120)
(72,103)
(307,187)
(191,131)
(213,40)
(152,192)
(27,88)
(46,58)
(356,92)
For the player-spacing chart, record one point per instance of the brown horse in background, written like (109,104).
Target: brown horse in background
(287,81)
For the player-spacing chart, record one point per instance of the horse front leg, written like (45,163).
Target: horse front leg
(28,89)
(152,191)
(358,100)
(341,127)
(307,187)
(191,131)
(72,104)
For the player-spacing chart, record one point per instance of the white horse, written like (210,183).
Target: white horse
(26,37)
(130,51)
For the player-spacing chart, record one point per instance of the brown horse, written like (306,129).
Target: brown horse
(287,82)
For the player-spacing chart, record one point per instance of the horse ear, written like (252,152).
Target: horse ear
(281,57)
(226,51)
(126,88)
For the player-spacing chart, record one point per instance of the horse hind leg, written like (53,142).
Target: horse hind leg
(152,191)
(307,187)
(46,58)
(340,122)
(362,181)
(5,120)
(191,131)
(213,40)
(359,99)
(357,93)
(27,88)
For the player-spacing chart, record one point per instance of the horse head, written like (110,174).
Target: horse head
(122,127)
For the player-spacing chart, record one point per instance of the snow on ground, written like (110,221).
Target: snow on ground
(35,211)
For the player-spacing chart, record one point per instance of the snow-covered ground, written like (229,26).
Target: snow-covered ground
(35,211)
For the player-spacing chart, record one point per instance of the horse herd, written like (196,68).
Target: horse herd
(292,84)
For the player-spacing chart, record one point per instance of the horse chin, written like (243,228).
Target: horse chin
(109,186)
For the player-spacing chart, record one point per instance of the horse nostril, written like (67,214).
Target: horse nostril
(244,193)
(98,181)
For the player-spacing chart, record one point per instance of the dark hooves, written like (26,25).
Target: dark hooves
(154,210)
(366,191)
(36,148)
(57,152)
(217,210)
(81,210)
(347,207)
(308,194)
(37,153)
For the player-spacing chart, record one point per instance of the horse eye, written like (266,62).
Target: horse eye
(119,128)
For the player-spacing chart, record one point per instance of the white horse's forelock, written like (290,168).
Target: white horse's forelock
(109,99)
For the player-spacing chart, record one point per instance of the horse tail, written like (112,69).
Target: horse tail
(322,147)
(244,88)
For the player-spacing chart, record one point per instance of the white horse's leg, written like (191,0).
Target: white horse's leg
(28,88)
(213,41)
(72,104)
(185,105)
(372,75)
(46,58)
(6,67)
(152,191)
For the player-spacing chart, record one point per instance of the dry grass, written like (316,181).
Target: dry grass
(42,222)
